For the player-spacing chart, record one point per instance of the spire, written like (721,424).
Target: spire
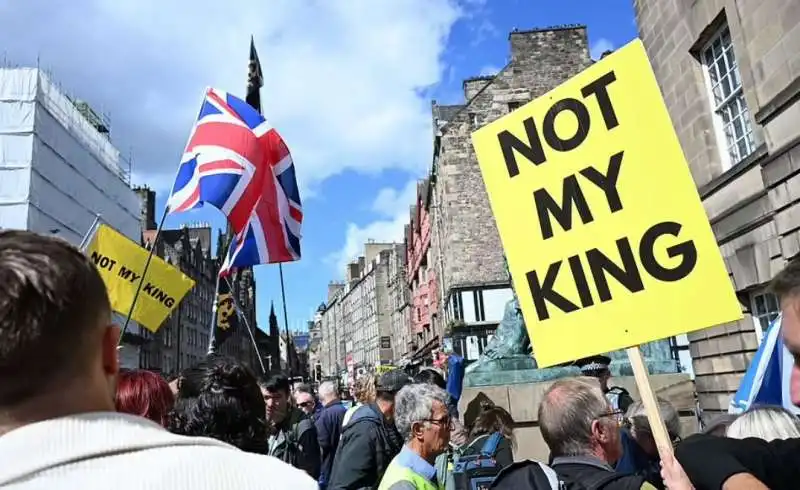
(255,78)
(274,330)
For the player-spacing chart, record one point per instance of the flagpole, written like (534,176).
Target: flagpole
(212,329)
(285,323)
(89,233)
(158,231)
(255,81)
(246,324)
(144,273)
(215,305)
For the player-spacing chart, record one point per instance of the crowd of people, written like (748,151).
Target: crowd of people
(71,418)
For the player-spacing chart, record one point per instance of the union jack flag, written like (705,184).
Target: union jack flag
(236,162)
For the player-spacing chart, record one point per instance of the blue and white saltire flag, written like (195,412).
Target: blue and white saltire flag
(768,377)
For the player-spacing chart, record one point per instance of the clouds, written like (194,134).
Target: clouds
(392,209)
(343,79)
(599,47)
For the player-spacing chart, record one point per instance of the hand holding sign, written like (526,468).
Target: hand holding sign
(607,241)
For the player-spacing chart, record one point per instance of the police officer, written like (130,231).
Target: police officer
(598,367)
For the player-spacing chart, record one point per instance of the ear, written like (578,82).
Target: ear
(417,429)
(110,350)
(596,429)
(599,431)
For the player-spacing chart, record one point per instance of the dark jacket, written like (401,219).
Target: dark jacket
(592,473)
(571,473)
(295,442)
(367,445)
(635,461)
(329,429)
(710,460)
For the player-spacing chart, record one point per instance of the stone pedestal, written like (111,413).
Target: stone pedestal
(512,371)
(522,401)
(523,369)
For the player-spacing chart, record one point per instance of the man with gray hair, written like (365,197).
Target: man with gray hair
(423,420)
(329,427)
(583,434)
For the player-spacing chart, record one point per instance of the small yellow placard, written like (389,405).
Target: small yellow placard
(121,262)
(607,241)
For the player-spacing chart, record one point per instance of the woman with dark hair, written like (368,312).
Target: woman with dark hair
(220,398)
(490,420)
(144,393)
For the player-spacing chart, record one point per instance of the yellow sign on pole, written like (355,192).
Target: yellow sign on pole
(384,369)
(606,238)
(120,262)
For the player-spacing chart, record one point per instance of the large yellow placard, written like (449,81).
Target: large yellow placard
(607,241)
(121,262)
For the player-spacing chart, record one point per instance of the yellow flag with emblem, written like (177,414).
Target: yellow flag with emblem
(121,262)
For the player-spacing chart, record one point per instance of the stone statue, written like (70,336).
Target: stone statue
(511,337)
(510,342)
(508,357)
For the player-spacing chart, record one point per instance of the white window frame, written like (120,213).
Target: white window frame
(768,314)
(735,98)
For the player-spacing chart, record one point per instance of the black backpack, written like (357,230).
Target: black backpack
(293,436)
(532,475)
(478,472)
(526,475)
(592,478)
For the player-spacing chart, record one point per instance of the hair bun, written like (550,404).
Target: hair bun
(216,382)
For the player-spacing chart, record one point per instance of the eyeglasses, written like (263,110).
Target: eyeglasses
(442,422)
(617,416)
(307,404)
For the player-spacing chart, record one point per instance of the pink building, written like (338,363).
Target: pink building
(421,276)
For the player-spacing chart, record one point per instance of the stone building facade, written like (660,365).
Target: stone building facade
(331,355)
(315,346)
(465,244)
(399,295)
(356,323)
(730,74)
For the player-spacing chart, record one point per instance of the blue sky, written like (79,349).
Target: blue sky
(347,85)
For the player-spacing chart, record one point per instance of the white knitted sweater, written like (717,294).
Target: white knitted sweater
(113,451)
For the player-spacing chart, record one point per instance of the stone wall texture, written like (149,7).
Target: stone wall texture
(753,204)
(465,241)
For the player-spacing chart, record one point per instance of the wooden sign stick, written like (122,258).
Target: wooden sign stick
(657,427)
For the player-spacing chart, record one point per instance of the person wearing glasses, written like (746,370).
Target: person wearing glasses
(307,402)
(582,430)
(423,419)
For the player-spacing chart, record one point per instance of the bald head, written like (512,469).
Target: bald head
(566,414)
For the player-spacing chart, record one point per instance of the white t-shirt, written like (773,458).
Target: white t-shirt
(349,413)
